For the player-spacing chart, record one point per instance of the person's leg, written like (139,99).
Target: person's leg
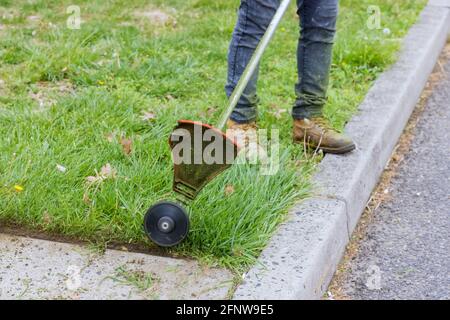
(318,27)
(253,19)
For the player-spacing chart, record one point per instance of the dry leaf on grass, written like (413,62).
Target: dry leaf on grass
(211,110)
(106,172)
(229,189)
(86,198)
(277,111)
(127,145)
(61,168)
(110,137)
(148,116)
(46,217)
(33,18)
(93,179)
(278,114)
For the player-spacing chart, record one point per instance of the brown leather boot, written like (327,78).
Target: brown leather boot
(242,133)
(246,137)
(317,134)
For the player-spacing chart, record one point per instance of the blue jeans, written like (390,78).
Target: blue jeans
(314,52)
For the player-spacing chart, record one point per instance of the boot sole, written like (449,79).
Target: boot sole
(340,150)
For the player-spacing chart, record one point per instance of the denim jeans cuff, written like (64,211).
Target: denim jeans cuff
(302,112)
(239,118)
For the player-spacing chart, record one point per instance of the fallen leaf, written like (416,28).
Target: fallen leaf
(107,171)
(278,114)
(110,137)
(46,217)
(274,106)
(92,179)
(229,189)
(170,97)
(61,168)
(86,199)
(147,116)
(211,110)
(127,145)
(18,188)
(33,18)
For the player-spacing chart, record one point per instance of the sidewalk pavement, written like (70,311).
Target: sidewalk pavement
(40,269)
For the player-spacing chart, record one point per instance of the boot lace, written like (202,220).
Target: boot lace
(323,124)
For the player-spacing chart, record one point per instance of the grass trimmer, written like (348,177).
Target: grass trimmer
(167,223)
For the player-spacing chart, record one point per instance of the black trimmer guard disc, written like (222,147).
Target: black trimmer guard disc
(196,139)
(166,223)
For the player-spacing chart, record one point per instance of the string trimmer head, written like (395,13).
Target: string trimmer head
(201,152)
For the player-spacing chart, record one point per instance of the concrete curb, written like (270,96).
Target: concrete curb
(302,257)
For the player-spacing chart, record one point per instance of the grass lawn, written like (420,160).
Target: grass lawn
(72,101)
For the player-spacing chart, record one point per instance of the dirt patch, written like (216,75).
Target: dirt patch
(46,93)
(8,14)
(157,17)
(382,191)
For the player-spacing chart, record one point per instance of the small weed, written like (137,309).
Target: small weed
(140,280)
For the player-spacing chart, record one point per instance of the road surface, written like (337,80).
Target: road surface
(405,251)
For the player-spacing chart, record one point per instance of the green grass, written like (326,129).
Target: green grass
(95,83)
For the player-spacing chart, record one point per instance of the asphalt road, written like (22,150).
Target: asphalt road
(406,250)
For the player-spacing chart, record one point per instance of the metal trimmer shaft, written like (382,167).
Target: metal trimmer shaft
(254,61)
